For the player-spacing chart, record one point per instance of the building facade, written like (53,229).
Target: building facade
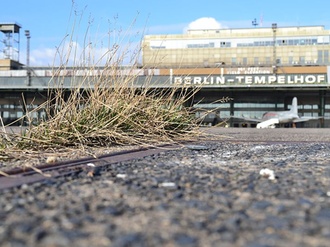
(252,90)
(260,69)
(280,46)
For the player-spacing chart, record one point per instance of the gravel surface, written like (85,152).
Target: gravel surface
(214,193)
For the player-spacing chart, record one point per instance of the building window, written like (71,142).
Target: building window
(245,60)
(233,60)
(158,47)
(225,44)
(301,59)
(281,42)
(256,61)
(320,57)
(224,114)
(209,45)
(326,57)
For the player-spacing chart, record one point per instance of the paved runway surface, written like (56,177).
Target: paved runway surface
(278,134)
(249,187)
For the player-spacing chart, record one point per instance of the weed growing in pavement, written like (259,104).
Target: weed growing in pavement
(102,105)
(111,111)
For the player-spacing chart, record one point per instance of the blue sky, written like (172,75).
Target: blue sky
(96,20)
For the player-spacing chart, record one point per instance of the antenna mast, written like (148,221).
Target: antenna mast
(255,23)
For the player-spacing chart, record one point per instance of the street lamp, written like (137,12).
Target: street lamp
(274,27)
(27,34)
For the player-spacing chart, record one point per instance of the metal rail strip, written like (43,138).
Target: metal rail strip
(20,176)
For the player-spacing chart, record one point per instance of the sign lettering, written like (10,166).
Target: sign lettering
(250,79)
(249,70)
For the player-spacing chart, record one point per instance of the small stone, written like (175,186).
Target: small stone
(51,159)
(94,171)
(167,184)
(267,173)
(197,147)
(24,187)
(121,175)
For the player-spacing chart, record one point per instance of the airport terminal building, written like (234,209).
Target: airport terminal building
(281,46)
(260,69)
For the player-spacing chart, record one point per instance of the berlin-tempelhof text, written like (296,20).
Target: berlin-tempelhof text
(250,80)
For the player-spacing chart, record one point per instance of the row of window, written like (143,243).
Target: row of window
(221,106)
(19,114)
(16,106)
(278,106)
(238,43)
(259,114)
(209,45)
(281,42)
(322,58)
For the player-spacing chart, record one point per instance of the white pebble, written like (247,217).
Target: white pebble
(167,184)
(267,173)
(121,175)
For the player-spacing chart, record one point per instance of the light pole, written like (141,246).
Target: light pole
(274,27)
(27,34)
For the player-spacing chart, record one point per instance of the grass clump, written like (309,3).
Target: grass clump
(103,105)
(112,114)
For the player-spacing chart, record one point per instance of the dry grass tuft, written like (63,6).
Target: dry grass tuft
(111,114)
(102,107)
(105,112)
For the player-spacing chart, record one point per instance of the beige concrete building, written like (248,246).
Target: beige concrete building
(280,46)
(8,64)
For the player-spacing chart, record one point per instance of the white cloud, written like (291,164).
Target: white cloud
(42,57)
(204,23)
(74,54)
(97,53)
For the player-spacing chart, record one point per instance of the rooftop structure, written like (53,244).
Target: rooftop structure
(10,41)
(266,46)
(9,46)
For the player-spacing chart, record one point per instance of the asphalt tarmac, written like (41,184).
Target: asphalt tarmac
(235,187)
(277,134)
